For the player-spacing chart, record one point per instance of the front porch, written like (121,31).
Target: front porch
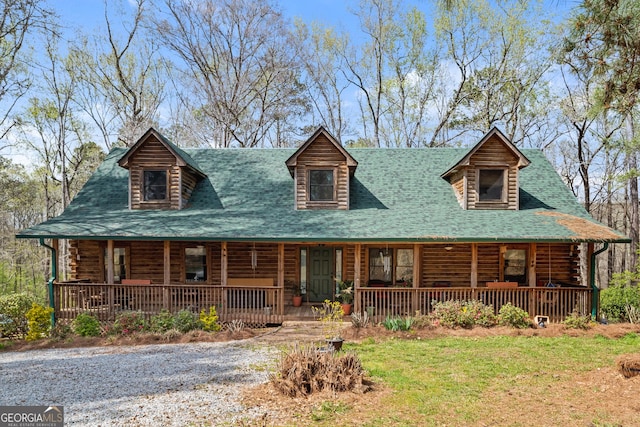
(262,305)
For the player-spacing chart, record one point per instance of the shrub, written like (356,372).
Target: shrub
(615,299)
(398,323)
(209,321)
(576,321)
(61,331)
(129,322)
(330,315)
(513,316)
(162,322)
(446,313)
(304,371)
(185,321)
(462,314)
(421,321)
(38,321)
(86,325)
(482,314)
(13,314)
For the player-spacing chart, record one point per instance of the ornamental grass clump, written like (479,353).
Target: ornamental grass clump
(397,323)
(360,320)
(307,370)
(629,365)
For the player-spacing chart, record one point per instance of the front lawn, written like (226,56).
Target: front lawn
(481,381)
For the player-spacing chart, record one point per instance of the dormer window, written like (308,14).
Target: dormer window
(491,185)
(161,175)
(322,170)
(321,185)
(487,176)
(154,185)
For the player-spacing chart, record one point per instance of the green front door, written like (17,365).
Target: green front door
(321,285)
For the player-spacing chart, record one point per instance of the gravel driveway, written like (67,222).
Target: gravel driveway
(151,385)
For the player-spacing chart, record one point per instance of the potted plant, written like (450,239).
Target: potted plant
(331,314)
(345,295)
(297,295)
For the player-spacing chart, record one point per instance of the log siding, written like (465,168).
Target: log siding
(322,155)
(493,155)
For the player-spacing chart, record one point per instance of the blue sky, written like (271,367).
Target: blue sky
(90,13)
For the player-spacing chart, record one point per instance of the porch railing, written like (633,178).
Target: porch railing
(253,305)
(261,305)
(556,303)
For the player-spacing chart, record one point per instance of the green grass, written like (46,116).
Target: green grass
(449,380)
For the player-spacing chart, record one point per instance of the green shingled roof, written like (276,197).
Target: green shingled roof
(396,195)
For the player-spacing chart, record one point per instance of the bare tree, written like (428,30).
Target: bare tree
(319,54)
(52,118)
(504,79)
(239,63)
(18,18)
(124,84)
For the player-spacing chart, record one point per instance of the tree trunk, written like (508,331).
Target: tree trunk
(632,167)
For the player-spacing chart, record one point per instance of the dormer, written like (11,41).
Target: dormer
(161,175)
(487,176)
(321,168)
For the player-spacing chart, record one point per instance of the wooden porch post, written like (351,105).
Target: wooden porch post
(281,278)
(503,250)
(417,275)
(223,263)
(533,255)
(167,274)
(356,276)
(417,266)
(223,275)
(474,265)
(110,273)
(167,262)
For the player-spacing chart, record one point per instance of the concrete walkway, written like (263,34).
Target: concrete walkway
(292,332)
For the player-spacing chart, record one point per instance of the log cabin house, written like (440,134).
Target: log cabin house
(158,226)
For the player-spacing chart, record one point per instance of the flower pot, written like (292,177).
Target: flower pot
(347,309)
(335,344)
(297,300)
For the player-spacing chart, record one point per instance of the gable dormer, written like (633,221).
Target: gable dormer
(161,175)
(487,176)
(321,168)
